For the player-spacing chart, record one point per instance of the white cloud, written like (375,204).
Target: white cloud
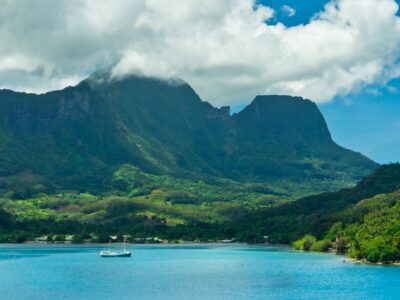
(288,10)
(224,49)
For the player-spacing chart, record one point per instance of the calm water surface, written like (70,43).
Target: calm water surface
(188,272)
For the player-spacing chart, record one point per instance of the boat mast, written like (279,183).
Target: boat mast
(125,237)
(124,244)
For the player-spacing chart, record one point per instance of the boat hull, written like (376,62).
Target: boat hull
(114,254)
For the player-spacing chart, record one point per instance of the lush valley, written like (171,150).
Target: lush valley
(143,204)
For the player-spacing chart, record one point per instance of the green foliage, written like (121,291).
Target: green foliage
(13,237)
(335,229)
(168,204)
(375,234)
(117,207)
(367,219)
(321,246)
(305,243)
(379,250)
(317,214)
(181,197)
(59,238)
(354,253)
(376,237)
(128,177)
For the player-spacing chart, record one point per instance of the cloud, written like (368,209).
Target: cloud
(225,49)
(288,10)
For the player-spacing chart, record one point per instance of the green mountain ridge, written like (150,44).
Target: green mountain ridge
(78,137)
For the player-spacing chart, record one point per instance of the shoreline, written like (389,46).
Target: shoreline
(365,262)
(288,246)
(346,258)
(130,243)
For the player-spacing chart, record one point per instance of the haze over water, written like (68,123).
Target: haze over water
(188,272)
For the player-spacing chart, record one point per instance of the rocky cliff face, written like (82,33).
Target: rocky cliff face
(75,137)
(282,117)
(29,111)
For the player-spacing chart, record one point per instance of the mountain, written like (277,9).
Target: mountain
(282,136)
(76,138)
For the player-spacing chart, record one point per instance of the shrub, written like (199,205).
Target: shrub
(354,253)
(321,246)
(377,250)
(304,243)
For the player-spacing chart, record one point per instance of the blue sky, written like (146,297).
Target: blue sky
(367,121)
(305,9)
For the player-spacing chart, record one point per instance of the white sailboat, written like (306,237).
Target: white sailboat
(113,253)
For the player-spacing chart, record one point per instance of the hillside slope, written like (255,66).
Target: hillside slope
(318,214)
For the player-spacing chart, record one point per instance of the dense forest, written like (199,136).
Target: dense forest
(369,230)
(365,218)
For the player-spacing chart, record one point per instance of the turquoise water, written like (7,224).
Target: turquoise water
(188,272)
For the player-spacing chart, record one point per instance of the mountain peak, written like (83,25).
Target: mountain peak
(281,102)
(290,117)
(271,98)
(274,106)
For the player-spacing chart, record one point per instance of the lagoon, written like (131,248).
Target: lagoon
(188,272)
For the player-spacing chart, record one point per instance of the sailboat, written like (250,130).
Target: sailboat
(112,253)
